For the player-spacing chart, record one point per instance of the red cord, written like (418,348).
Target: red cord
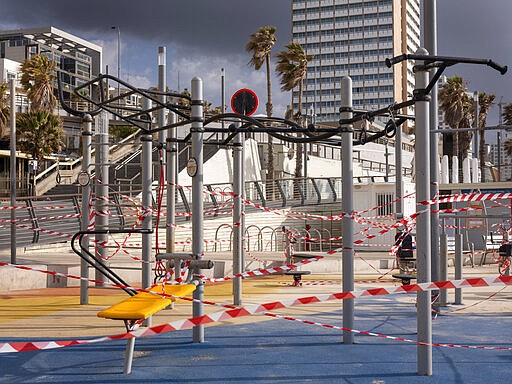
(159,199)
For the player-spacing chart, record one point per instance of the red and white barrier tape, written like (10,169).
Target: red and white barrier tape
(263,272)
(229,314)
(468,197)
(382,336)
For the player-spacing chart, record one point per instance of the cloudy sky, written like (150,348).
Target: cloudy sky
(203,36)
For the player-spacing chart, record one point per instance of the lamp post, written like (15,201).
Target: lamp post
(12,86)
(118,58)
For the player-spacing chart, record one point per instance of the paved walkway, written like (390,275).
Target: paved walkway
(250,350)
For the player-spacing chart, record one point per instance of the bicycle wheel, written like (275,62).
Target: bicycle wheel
(504,266)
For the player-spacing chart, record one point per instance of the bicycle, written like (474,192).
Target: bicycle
(505,259)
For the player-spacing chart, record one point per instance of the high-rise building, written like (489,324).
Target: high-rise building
(354,37)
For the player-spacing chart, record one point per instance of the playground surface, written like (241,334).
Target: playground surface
(261,349)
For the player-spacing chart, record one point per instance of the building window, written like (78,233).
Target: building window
(385,207)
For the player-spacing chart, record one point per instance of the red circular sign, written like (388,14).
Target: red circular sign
(244,102)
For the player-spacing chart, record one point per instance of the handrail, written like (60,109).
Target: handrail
(71,164)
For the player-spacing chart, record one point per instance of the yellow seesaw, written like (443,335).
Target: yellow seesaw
(139,307)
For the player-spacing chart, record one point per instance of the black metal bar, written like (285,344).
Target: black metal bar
(333,189)
(297,183)
(184,200)
(33,219)
(66,107)
(317,190)
(213,198)
(98,264)
(260,193)
(449,60)
(281,191)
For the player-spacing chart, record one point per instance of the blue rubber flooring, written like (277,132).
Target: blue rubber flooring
(280,351)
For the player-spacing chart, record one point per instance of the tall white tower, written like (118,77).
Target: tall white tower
(354,37)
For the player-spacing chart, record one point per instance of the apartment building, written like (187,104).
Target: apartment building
(354,37)
(77,59)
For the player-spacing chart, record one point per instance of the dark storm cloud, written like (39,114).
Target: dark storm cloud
(220,26)
(479,29)
(201,34)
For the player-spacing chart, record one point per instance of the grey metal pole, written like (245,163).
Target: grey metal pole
(147,201)
(443,264)
(386,155)
(430,35)
(238,229)
(118,60)
(347,206)
(162,85)
(160,121)
(223,97)
(399,180)
(422,163)
(458,261)
(86,210)
(101,187)
(498,143)
(475,134)
(12,86)
(498,137)
(172,149)
(147,206)
(197,132)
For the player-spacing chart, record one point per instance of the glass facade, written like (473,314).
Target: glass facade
(354,37)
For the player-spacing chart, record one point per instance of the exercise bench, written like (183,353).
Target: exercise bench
(405,277)
(141,306)
(297,276)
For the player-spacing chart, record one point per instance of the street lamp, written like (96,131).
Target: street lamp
(118,58)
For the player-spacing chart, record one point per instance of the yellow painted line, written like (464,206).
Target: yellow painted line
(17,308)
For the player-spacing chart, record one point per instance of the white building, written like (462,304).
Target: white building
(354,37)
(504,160)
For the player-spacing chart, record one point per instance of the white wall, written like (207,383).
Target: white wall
(219,169)
(8,67)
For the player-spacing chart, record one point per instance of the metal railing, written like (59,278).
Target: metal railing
(41,219)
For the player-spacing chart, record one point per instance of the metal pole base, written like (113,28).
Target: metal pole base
(128,357)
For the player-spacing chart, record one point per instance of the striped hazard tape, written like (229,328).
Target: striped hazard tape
(468,197)
(261,309)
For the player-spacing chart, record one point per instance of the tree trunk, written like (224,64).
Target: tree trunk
(270,147)
(300,146)
(481,153)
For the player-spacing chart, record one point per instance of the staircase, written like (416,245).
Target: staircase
(47,182)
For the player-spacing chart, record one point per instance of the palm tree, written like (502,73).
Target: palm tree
(260,45)
(40,133)
(507,120)
(458,112)
(292,68)
(485,102)
(37,78)
(4,110)
(507,114)
(508,147)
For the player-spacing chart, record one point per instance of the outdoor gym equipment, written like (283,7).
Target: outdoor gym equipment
(140,305)
(286,130)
